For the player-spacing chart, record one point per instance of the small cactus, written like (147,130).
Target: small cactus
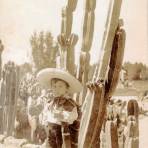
(133,109)
(132,134)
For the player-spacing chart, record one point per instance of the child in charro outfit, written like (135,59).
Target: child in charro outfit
(61,110)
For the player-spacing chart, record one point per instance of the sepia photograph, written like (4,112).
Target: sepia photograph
(73,74)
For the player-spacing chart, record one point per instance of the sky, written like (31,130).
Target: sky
(20,18)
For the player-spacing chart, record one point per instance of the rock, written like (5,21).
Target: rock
(11,141)
(2,137)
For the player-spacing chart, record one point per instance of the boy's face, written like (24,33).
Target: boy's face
(59,88)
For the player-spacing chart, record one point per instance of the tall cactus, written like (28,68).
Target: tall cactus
(88,31)
(1,50)
(108,46)
(66,39)
(67,42)
(116,59)
(10,100)
(111,82)
(2,99)
(98,93)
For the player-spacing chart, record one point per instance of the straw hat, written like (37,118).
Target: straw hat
(44,77)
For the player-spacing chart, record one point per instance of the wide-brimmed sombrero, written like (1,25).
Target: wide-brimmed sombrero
(44,77)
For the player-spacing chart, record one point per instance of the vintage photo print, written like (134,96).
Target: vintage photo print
(73,73)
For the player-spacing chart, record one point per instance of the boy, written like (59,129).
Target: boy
(62,110)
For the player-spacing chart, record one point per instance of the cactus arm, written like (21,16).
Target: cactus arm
(113,75)
(87,38)
(94,99)
(66,39)
(115,62)
(110,30)
(67,17)
(86,110)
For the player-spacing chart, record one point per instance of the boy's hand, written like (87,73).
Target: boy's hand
(59,116)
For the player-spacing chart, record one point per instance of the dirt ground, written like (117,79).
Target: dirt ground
(143,132)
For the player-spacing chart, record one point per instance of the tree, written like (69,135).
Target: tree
(136,71)
(25,68)
(44,50)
